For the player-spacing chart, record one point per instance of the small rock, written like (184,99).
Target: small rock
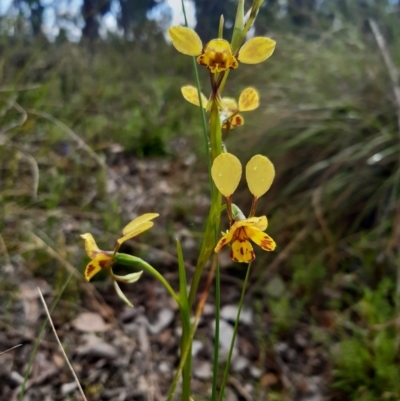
(239,363)
(104,350)
(225,339)
(301,340)
(225,333)
(90,322)
(208,309)
(281,348)
(165,318)
(269,379)
(164,367)
(16,378)
(68,388)
(98,349)
(230,395)
(229,313)
(197,346)
(255,372)
(202,370)
(190,159)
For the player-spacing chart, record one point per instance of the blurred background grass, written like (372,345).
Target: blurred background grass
(74,113)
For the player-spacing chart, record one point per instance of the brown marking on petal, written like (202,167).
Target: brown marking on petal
(238,120)
(200,60)
(233,64)
(233,257)
(240,235)
(104,263)
(89,271)
(241,250)
(266,243)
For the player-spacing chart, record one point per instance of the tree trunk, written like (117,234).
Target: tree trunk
(89,13)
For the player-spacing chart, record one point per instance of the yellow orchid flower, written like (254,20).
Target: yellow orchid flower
(248,100)
(226,172)
(103,260)
(230,108)
(217,54)
(99,259)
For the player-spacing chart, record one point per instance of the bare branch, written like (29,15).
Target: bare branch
(61,347)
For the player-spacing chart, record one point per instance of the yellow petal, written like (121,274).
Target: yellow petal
(225,240)
(232,122)
(242,251)
(143,227)
(256,50)
(226,172)
(260,173)
(217,56)
(137,226)
(261,239)
(191,94)
(136,223)
(92,269)
(185,40)
(90,245)
(237,121)
(260,223)
(229,105)
(249,99)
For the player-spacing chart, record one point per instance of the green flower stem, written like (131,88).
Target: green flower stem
(223,82)
(185,352)
(216,150)
(228,362)
(197,315)
(212,226)
(216,333)
(208,244)
(215,132)
(133,261)
(186,342)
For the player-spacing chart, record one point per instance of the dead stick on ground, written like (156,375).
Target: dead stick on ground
(61,347)
(10,349)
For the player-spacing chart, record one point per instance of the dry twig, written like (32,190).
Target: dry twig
(10,349)
(61,347)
